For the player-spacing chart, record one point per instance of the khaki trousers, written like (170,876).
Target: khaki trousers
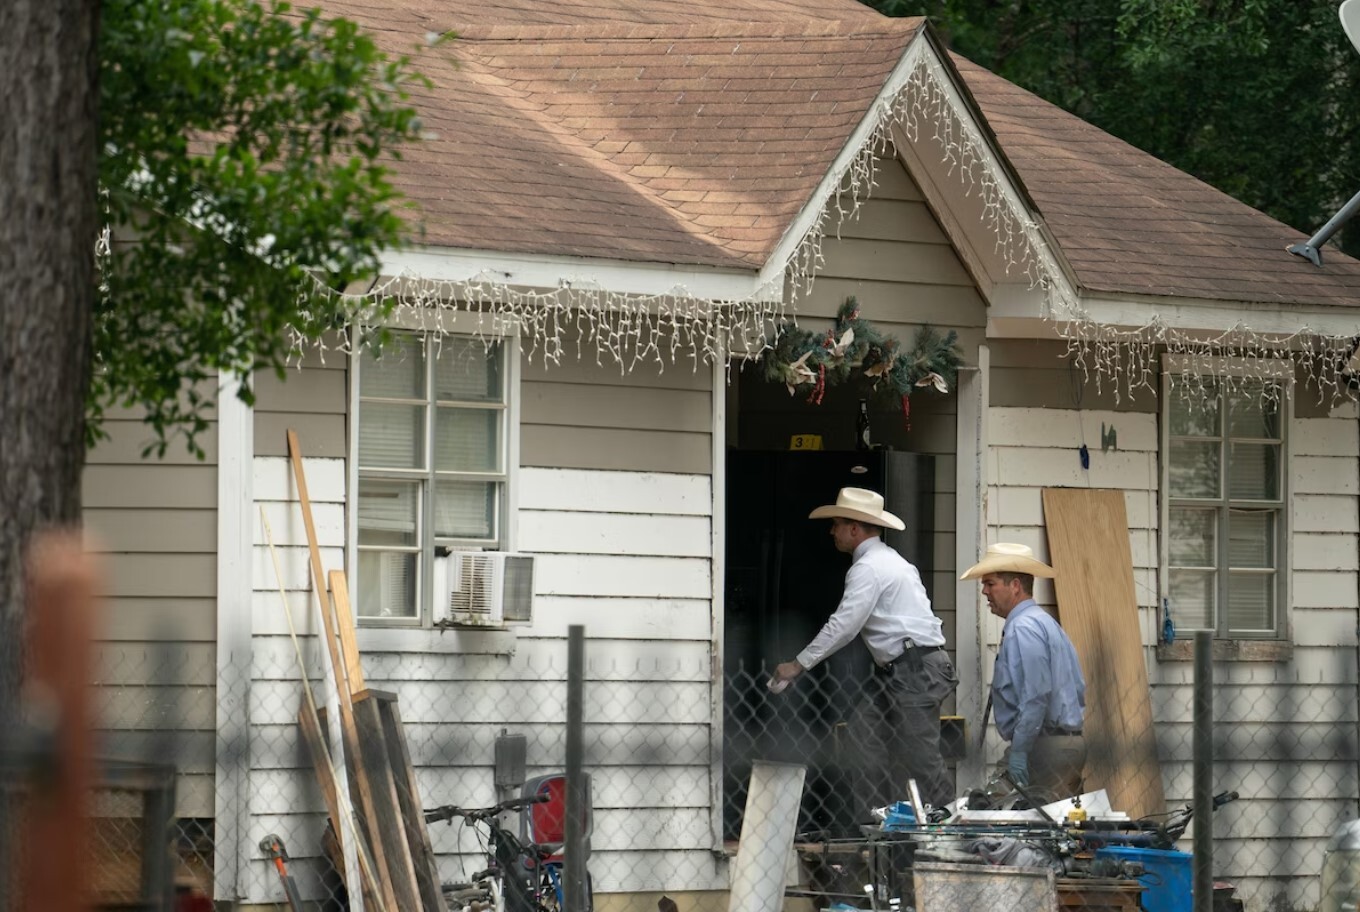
(1055,767)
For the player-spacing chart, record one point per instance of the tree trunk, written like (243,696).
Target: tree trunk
(48,223)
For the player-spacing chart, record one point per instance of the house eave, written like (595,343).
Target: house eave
(554,272)
(1023,312)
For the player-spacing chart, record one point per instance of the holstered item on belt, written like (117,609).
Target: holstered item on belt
(911,657)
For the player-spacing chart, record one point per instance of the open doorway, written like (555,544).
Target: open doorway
(784,576)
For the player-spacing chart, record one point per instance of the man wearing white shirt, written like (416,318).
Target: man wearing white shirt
(885,603)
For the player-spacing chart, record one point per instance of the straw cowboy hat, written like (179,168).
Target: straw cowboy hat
(1004,557)
(860,504)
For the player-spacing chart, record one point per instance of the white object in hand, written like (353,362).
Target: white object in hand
(777,685)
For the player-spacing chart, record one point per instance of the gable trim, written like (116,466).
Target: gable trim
(582,273)
(798,253)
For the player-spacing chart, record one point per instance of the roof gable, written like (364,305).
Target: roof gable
(1129,223)
(691,142)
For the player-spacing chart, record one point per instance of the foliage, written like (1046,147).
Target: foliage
(857,350)
(1255,97)
(244,154)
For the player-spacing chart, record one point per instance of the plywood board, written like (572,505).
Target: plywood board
(1088,540)
(945,887)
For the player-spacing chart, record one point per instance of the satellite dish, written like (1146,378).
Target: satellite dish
(1350,21)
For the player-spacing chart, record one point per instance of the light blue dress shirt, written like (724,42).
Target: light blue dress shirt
(1037,682)
(884,601)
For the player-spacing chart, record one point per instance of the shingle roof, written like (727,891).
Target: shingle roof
(1129,223)
(693,141)
(580,12)
(693,131)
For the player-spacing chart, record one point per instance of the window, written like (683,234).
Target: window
(433,452)
(1223,511)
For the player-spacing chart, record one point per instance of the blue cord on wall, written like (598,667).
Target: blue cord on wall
(1168,628)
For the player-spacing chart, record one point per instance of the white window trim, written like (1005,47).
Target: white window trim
(422,637)
(1281,369)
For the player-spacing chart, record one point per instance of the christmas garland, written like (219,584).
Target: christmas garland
(801,358)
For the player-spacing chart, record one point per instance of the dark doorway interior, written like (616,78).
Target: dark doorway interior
(784,578)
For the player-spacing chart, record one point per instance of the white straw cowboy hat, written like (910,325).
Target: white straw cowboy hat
(1004,557)
(861,504)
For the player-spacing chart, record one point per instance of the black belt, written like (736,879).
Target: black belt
(921,650)
(1059,732)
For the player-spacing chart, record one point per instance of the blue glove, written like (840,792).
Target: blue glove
(1017,765)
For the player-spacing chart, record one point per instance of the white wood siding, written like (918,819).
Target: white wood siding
(625,553)
(1286,730)
(1036,448)
(154,520)
(581,415)
(896,261)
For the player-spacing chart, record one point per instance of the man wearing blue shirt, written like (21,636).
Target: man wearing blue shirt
(885,603)
(1038,692)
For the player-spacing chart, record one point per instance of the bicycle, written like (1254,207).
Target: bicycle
(518,877)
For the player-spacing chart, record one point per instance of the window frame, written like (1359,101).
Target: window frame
(1279,370)
(507,504)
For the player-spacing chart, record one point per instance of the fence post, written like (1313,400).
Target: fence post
(574,892)
(1203,794)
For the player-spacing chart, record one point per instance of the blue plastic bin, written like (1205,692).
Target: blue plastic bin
(1168,879)
(900,817)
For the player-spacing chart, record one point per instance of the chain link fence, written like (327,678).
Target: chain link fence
(709,794)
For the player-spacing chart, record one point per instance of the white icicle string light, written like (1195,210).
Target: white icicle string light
(1129,361)
(617,329)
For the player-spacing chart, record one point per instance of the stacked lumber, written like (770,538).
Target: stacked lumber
(384,838)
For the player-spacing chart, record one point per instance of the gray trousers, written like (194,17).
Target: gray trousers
(1055,767)
(898,733)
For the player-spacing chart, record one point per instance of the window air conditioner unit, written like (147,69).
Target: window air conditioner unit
(485,588)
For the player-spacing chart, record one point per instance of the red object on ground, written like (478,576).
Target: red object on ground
(193,900)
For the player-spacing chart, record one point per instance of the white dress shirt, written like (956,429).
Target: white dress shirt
(884,601)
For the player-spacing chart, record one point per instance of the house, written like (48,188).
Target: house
(618,201)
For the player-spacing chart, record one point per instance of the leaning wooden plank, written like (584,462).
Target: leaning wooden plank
(349,738)
(1088,539)
(314,551)
(357,863)
(344,623)
(311,726)
(386,826)
(408,793)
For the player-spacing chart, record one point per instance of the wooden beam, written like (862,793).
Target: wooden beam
(314,551)
(408,793)
(312,734)
(387,826)
(344,622)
